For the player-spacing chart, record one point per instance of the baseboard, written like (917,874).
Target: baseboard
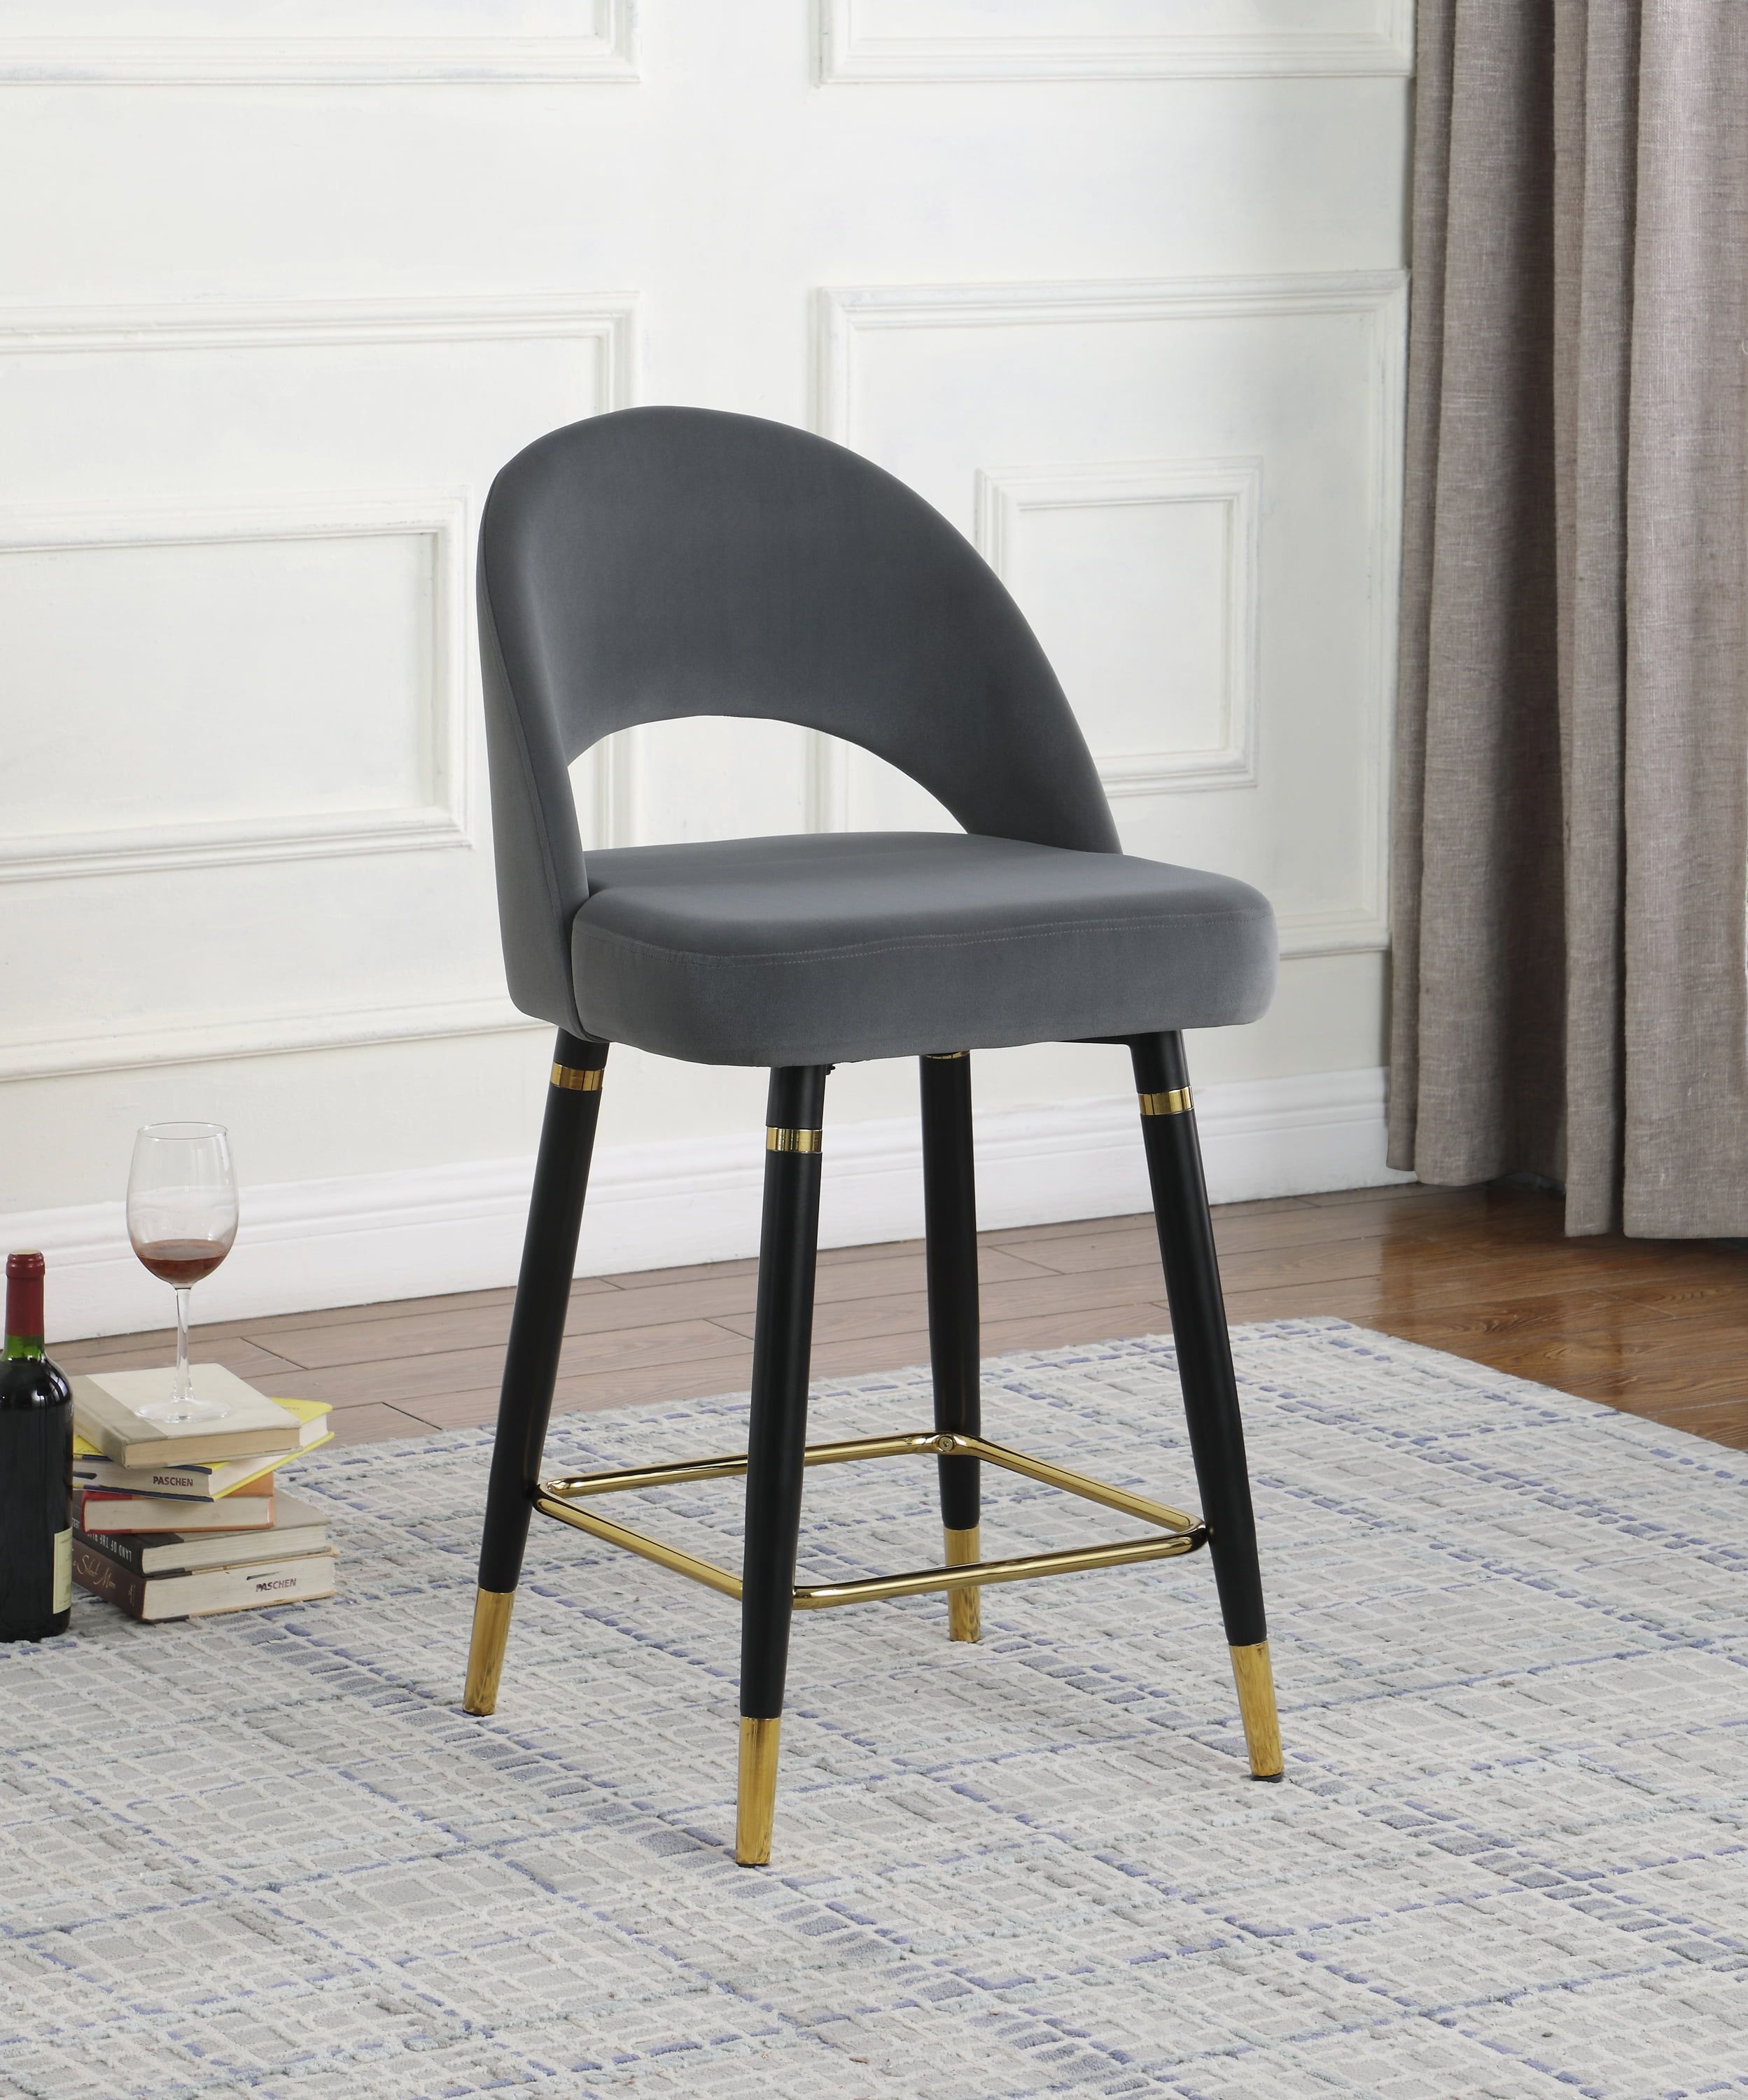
(368,1237)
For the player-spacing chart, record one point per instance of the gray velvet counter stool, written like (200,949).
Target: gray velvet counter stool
(663,563)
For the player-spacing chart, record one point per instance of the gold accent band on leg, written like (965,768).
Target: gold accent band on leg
(963,1615)
(943,1056)
(790,1141)
(1176,1102)
(1254,1675)
(756,1794)
(485,1653)
(578,1078)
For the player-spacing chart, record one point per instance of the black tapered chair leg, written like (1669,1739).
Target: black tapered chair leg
(1211,1391)
(777,1437)
(950,1225)
(530,1362)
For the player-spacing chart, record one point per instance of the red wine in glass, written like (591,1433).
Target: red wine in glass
(181,1220)
(183,1263)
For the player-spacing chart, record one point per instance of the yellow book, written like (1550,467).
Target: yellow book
(205,1482)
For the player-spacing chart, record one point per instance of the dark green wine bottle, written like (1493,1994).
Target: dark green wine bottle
(36,1468)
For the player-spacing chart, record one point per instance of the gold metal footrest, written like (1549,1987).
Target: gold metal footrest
(1177,1534)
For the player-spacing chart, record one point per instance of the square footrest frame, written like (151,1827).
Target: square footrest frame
(1177,1533)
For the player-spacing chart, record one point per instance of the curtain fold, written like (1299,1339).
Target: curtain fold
(1571,825)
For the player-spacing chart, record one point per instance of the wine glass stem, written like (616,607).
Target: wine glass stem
(182,1345)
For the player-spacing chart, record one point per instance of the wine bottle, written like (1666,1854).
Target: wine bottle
(36,1468)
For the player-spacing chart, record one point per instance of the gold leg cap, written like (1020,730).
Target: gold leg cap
(756,1798)
(485,1656)
(964,1617)
(1254,1675)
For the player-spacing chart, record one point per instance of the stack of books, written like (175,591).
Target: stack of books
(172,1520)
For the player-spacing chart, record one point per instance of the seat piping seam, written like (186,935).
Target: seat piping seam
(847,950)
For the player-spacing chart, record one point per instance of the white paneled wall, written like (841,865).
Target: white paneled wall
(1235,613)
(1116,283)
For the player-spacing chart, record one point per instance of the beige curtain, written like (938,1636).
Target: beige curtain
(1571,833)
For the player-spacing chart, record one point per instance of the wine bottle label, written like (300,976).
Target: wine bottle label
(63,1572)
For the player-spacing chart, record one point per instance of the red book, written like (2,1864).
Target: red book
(108,1509)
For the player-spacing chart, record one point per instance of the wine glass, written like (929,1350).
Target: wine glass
(181,1220)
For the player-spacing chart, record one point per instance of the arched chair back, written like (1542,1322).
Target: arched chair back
(661,563)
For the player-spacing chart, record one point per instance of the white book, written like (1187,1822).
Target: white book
(105,1413)
(153,1597)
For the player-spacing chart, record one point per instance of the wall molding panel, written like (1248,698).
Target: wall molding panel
(604,53)
(1235,487)
(606,319)
(440,521)
(367,1237)
(201,1040)
(844,314)
(615,777)
(1298,39)
(847,317)
(261,1017)
(826,782)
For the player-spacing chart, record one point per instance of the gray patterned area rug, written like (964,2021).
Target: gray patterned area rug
(268,1855)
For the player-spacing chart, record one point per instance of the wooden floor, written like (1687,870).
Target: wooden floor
(1657,1328)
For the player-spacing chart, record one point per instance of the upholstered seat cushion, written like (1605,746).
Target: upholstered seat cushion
(832,946)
